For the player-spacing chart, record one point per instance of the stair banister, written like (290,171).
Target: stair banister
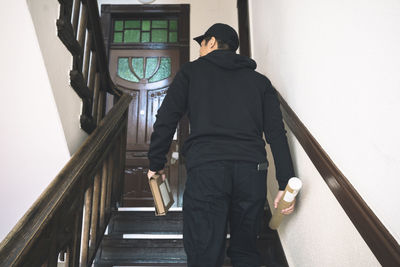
(52,227)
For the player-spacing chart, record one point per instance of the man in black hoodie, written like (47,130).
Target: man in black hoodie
(229,106)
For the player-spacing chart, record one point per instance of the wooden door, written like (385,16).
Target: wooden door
(145,75)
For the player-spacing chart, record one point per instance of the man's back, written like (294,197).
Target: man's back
(225,109)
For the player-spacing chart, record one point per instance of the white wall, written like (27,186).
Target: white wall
(33,148)
(337,64)
(203,14)
(58,62)
(318,233)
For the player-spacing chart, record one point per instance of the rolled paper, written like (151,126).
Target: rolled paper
(292,189)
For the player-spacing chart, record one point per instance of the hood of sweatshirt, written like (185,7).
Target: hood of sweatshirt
(229,60)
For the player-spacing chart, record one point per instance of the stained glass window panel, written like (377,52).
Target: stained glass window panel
(137,65)
(164,71)
(173,37)
(132,24)
(124,71)
(173,25)
(118,37)
(159,24)
(145,31)
(151,65)
(159,36)
(145,37)
(119,25)
(132,36)
(146,25)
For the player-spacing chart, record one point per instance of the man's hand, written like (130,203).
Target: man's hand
(151,173)
(278,198)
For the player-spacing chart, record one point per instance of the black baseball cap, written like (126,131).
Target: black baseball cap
(222,32)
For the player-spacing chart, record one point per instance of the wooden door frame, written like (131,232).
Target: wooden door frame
(180,12)
(244,27)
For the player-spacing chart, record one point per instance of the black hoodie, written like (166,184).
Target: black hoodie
(229,106)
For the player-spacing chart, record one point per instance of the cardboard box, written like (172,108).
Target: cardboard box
(162,195)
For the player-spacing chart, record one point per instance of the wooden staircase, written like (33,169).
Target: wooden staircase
(137,250)
(120,251)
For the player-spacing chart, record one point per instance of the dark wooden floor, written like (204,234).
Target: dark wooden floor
(117,251)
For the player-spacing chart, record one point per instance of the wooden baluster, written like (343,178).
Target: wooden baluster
(110,179)
(116,173)
(92,71)
(95,211)
(100,107)
(86,225)
(121,165)
(78,61)
(67,257)
(103,196)
(120,172)
(90,81)
(77,231)
(87,53)
(123,159)
(103,104)
(82,25)
(75,16)
(96,98)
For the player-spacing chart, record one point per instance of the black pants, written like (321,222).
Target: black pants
(216,194)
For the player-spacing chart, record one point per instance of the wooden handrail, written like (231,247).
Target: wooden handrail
(85,188)
(382,244)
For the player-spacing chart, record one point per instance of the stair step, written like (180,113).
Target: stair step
(126,252)
(142,252)
(139,252)
(146,209)
(143,265)
(145,222)
(153,265)
(152,236)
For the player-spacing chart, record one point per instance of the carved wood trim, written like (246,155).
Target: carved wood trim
(85,42)
(66,34)
(378,238)
(79,85)
(87,123)
(65,29)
